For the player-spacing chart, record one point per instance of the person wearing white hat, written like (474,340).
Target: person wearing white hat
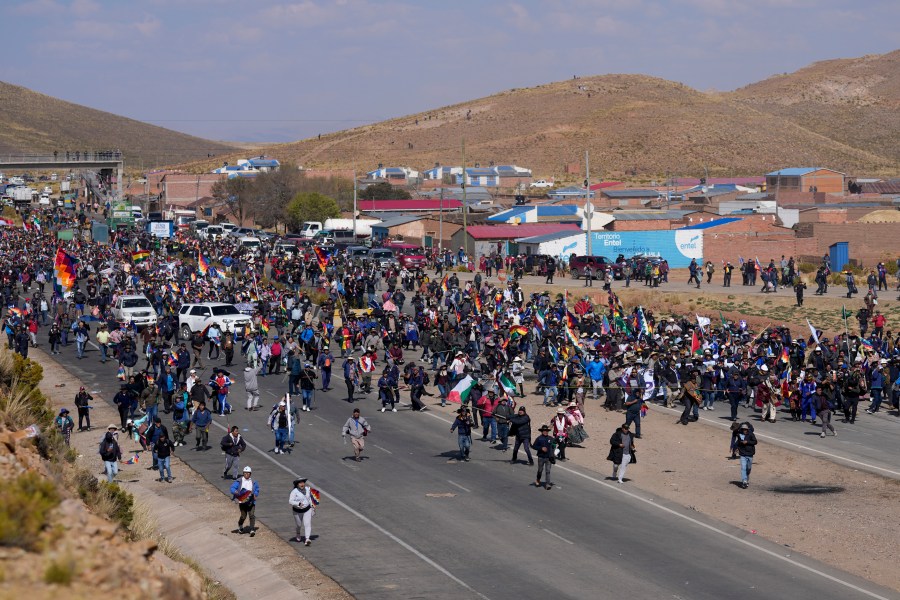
(245,491)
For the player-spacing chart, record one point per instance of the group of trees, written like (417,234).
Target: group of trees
(284,198)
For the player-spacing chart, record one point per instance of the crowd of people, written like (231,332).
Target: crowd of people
(391,332)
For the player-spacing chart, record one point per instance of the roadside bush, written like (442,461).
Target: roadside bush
(60,572)
(105,499)
(25,506)
(807,267)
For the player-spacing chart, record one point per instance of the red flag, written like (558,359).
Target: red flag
(695,343)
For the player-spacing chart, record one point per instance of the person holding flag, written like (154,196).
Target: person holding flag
(303,505)
(245,491)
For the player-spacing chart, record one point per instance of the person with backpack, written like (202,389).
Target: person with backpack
(110,453)
(307,385)
(163,449)
(357,428)
(220,383)
(232,445)
(854,388)
(746,447)
(65,425)
(280,423)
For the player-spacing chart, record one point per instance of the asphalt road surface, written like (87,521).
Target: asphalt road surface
(411,522)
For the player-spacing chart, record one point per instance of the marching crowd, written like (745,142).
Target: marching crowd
(388,331)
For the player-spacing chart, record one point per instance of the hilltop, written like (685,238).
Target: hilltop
(841,114)
(33,123)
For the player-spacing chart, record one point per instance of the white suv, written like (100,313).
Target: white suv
(134,308)
(195,317)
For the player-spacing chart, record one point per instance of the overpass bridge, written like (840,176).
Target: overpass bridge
(108,162)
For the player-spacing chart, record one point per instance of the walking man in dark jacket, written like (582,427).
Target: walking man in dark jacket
(543,445)
(746,447)
(463,427)
(520,428)
(232,445)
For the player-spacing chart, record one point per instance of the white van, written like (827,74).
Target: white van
(212,232)
(250,243)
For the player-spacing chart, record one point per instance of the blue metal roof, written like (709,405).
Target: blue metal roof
(714,223)
(264,162)
(649,215)
(548,237)
(477,172)
(556,211)
(512,213)
(793,172)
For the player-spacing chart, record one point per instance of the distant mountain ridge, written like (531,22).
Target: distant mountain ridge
(842,114)
(34,123)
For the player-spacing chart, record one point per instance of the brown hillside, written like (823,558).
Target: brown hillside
(855,101)
(33,123)
(643,127)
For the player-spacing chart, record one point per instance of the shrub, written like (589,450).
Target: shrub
(60,572)
(807,267)
(105,499)
(25,506)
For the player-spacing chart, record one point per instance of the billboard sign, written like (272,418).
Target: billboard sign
(676,246)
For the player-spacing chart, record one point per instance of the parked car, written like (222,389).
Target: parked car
(212,232)
(541,183)
(196,317)
(598,264)
(383,257)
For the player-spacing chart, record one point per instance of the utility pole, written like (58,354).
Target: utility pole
(441,225)
(354,205)
(588,213)
(465,207)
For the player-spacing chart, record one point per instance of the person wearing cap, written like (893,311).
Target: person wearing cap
(543,446)
(520,429)
(746,447)
(736,390)
(324,362)
(232,445)
(462,425)
(690,397)
(83,404)
(65,425)
(768,393)
(303,508)
(248,507)
(357,428)
(549,379)
(280,422)
(621,451)
(560,426)
(110,453)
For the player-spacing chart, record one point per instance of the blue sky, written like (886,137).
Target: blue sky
(263,70)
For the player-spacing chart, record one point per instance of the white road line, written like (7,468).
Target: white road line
(711,528)
(557,536)
(424,558)
(459,486)
(730,536)
(323,419)
(796,445)
(382,449)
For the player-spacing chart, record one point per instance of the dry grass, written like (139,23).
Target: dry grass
(31,122)
(640,127)
(144,526)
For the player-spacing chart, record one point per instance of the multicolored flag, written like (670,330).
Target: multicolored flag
(444,285)
(314,496)
(140,255)
(604,326)
(478,303)
(784,355)
(695,344)
(202,263)
(322,257)
(133,460)
(264,326)
(460,393)
(65,270)
(506,383)
(518,330)
(643,324)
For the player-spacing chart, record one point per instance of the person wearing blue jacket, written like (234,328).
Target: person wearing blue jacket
(180,414)
(245,491)
(201,421)
(876,388)
(596,370)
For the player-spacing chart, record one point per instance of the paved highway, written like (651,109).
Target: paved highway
(411,522)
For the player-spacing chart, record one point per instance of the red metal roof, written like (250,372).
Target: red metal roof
(404,205)
(502,232)
(604,184)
